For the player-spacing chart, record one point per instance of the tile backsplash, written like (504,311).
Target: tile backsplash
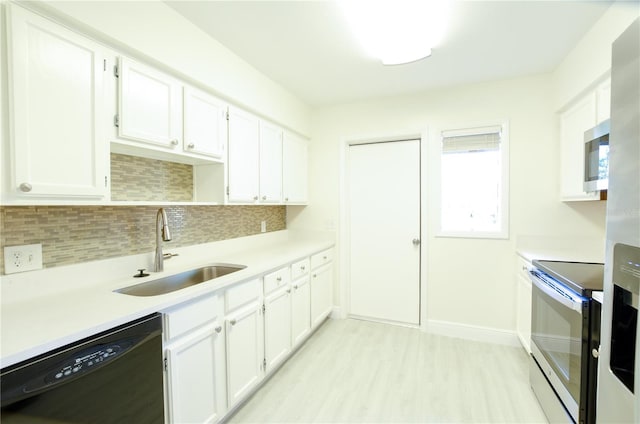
(73,234)
(135,178)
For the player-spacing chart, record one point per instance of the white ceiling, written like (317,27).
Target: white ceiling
(306,47)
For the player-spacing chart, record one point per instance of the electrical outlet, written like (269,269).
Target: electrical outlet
(22,258)
(263,227)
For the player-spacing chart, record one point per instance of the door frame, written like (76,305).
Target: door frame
(344,228)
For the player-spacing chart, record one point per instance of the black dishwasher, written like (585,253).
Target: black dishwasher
(111,377)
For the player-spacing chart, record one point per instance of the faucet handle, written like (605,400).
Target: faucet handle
(169,255)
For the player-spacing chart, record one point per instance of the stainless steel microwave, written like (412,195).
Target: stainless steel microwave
(596,158)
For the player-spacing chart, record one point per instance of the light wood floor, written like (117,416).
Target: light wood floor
(353,371)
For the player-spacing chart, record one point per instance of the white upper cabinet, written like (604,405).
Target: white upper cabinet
(244,157)
(205,123)
(294,169)
(162,118)
(270,163)
(150,105)
(586,113)
(58,147)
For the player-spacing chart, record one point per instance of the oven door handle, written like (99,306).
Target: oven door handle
(563,298)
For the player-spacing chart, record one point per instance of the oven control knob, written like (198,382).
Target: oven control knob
(595,353)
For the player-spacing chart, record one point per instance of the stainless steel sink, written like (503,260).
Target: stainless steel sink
(180,281)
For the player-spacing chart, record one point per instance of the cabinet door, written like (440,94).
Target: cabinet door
(294,169)
(270,163)
(56,100)
(573,123)
(277,326)
(245,352)
(205,123)
(243,159)
(300,310)
(196,384)
(523,317)
(150,106)
(321,298)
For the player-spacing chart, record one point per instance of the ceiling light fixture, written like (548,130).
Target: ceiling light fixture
(397,31)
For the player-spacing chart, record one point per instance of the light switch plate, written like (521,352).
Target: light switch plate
(263,227)
(27,257)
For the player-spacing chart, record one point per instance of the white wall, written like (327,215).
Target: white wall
(590,60)
(155,30)
(469,281)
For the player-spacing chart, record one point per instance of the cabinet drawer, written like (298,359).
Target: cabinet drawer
(523,267)
(321,258)
(242,294)
(300,268)
(276,279)
(186,317)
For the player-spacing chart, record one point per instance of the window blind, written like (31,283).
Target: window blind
(471,140)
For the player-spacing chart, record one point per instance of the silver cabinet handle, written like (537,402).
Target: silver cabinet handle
(315,275)
(264,197)
(295,287)
(279,279)
(288,290)
(174,142)
(25,187)
(255,197)
(302,267)
(218,329)
(416,241)
(286,199)
(190,146)
(232,322)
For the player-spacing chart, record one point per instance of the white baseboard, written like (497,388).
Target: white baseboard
(473,332)
(336,313)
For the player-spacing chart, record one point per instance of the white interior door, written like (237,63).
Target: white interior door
(384,222)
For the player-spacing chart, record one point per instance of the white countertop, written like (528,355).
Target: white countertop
(46,309)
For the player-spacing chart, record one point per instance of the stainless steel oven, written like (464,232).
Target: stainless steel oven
(565,337)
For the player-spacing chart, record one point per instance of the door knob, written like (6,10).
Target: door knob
(416,241)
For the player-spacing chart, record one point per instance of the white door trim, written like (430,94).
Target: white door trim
(344,213)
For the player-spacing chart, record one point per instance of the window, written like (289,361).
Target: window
(474,182)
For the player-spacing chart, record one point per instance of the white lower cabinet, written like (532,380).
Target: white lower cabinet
(321,297)
(300,310)
(523,311)
(194,353)
(277,326)
(196,378)
(245,341)
(277,317)
(219,347)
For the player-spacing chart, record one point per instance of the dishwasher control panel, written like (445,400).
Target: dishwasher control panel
(85,361)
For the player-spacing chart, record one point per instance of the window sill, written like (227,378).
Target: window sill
(493,235)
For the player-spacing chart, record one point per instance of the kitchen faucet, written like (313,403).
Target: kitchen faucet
(162,233)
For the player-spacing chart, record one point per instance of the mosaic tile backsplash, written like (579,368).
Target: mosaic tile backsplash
(141,179)
(73,234)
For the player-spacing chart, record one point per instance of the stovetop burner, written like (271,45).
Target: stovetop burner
(581,277)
